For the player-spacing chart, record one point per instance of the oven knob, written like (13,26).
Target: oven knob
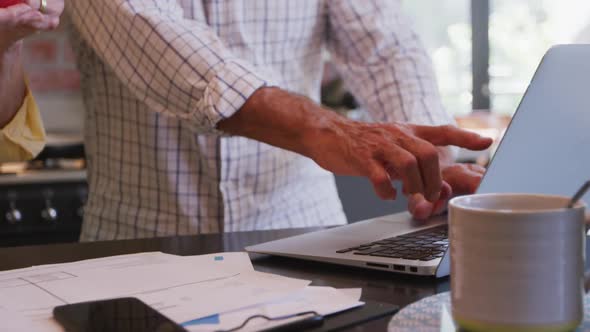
(13,216)
(49,214)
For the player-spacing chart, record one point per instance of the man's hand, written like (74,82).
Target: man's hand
(380,152)
(458,179)
(386,152)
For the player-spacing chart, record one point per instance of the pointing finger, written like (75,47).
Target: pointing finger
(451,135)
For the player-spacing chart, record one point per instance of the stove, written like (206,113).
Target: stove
(42,201)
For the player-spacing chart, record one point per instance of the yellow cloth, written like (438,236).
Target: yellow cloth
(24,136)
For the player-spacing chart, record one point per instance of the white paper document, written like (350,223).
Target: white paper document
(11,321)
(323,300)
(184,288)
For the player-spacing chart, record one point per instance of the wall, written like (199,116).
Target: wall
(55,81)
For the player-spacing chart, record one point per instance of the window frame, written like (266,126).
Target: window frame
(480,54)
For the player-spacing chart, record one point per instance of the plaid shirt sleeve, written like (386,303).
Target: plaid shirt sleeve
(176,66)
(383,62)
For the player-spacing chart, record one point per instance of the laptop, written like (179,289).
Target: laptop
(546,149)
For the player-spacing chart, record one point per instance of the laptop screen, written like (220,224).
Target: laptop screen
(546,148)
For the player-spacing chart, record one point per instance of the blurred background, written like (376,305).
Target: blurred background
(484,54)
(486,51)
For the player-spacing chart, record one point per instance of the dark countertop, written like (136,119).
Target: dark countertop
(377,286)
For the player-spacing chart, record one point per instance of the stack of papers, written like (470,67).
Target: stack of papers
(203,293)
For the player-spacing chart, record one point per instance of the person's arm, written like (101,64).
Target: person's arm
(12,84)
(176,66)
(378,151)
(21,133)
(385,66)
(179,67)
(17,22)
(24,136)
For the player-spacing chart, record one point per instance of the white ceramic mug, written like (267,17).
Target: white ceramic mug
(517,262)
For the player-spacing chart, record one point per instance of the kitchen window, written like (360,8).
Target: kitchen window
(485,52)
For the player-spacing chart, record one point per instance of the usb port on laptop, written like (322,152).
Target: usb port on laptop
(383,266)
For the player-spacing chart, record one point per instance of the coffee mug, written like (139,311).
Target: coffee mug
(517,262)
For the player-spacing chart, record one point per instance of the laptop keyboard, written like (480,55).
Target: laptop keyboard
(422,245)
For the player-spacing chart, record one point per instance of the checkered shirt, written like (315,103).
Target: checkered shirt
(159,74)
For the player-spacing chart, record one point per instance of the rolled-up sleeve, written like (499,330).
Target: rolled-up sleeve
(176,66)
(24,136)
(383,62)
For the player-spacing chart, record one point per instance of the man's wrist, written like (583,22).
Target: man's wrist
(325,128)
(280,118)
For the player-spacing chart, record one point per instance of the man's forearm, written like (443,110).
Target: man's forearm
(379,151)
(12,84)
(279,118)
(296,123)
